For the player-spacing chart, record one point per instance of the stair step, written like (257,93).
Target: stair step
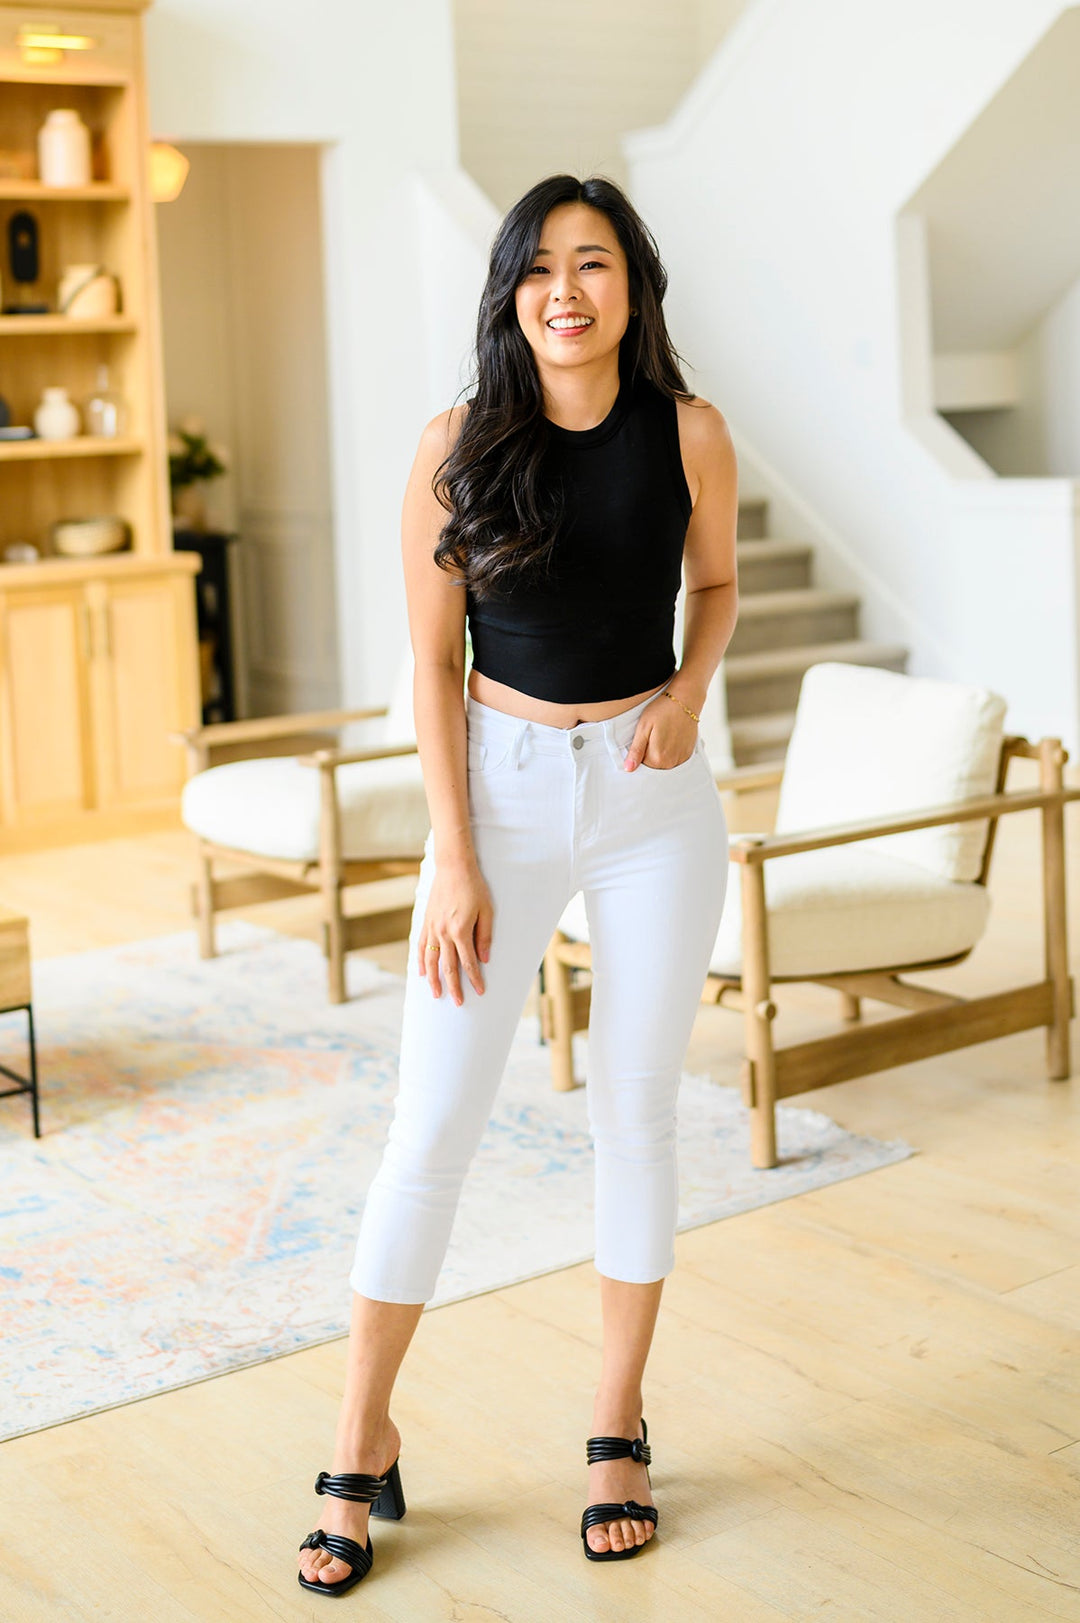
(763,683)
(763,604)
(754,546)
(749,667)
(772,548)
(752,521)
(804,617)
(757,740)
(768,566)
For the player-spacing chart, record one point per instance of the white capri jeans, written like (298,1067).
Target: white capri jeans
(553,812)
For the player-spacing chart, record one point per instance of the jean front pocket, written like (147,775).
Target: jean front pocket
(489,756)
(672,771)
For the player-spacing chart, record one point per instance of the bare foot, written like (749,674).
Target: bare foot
(615,1481)
(345,1515)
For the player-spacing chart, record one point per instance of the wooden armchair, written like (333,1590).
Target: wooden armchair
(856,902)
(307,823)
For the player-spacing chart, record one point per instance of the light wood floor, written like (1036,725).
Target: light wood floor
(865,1402)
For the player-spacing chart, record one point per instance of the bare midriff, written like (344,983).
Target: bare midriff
(500,697)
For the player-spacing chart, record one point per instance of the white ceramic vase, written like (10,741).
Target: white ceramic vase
(64,149)
(57,417)
(87,292)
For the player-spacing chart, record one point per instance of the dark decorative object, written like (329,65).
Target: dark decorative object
(23,246)
(214,621)
(24,261)
(9,430)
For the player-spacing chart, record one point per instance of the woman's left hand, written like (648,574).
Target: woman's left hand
(665,736)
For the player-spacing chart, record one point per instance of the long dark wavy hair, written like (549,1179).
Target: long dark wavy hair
(503,522)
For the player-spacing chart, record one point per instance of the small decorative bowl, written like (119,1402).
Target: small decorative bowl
(87,537)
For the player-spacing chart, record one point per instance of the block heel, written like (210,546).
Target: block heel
(391,1502)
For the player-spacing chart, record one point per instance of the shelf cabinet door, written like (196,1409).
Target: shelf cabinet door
(144,683)
(46,771)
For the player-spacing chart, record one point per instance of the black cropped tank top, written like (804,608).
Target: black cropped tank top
(601,625)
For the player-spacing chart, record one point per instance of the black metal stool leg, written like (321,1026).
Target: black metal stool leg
(25,1084)
(33,1069)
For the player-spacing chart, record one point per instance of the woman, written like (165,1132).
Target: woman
(580,480)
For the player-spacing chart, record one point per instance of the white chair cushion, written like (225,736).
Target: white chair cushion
(845,908)
(867,743)
(270,807)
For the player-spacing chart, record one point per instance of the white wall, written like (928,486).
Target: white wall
(1003,250)
(375,84)
(545,91)
(241,259)
(1041,435)
(1004,242)
(1059,373)
(1011,437)
(286,556)
(715,17)
(774,193)
(195,307)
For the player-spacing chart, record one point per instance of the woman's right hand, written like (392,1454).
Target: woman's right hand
(458,921)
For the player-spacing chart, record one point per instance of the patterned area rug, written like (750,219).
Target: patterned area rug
(209,1132)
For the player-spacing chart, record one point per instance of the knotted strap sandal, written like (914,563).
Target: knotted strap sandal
(382,1493)
(618,1448)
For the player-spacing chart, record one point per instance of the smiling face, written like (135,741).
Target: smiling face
(573,303)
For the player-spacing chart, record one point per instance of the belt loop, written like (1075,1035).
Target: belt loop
(614,749)
(516,747)
(611,739)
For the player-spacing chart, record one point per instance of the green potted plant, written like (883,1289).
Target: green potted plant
(192,462)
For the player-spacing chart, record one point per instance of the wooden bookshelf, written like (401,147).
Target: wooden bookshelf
(32,191)
(62,326)
(97,661)
(85,445)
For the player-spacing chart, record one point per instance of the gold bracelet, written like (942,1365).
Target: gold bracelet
(680,703)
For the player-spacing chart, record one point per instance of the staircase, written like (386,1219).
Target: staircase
(785,625)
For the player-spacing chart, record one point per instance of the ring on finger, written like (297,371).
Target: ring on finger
(433,946)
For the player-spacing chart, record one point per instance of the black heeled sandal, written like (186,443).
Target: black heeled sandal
(618,1448)
(382,1493)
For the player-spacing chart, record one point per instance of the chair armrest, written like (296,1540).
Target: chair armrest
(1016,744)
(330,758)
(242,732)
(750,848)
(741,779)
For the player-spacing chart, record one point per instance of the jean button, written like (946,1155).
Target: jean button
(577,741)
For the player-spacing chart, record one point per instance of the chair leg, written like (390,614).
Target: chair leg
(1055,926)
(541,993)
(202,895)
(330,882)
(850,1006)
(759,1013)
(561,1004)
(334,926)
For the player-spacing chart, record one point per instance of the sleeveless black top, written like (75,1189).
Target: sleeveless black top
(601,626)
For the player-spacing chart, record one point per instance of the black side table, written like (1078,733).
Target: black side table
(214,616)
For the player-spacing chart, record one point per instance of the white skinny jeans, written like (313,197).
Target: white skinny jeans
(553,812)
